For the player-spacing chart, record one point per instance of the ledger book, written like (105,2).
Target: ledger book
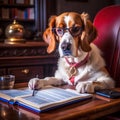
(44,99)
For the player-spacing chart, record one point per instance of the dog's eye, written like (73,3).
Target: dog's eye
(76,30)
(59,31)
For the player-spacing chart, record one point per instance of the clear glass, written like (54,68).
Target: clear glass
(7,81)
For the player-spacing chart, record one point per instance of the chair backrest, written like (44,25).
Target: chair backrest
(107,22)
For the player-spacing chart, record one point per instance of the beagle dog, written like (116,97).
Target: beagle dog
(80,63)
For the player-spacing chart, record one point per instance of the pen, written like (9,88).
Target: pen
(33,93)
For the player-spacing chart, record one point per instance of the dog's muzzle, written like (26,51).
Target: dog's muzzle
(66,48)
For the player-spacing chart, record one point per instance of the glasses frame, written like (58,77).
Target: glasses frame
(63,30)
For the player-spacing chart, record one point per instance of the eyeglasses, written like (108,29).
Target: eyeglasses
(75,31)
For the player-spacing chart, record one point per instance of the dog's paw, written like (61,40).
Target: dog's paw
(36,83)
(85,87)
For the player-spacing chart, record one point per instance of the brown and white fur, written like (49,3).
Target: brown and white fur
(88,76)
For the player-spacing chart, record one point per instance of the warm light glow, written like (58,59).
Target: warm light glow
(4,113)
(12,39)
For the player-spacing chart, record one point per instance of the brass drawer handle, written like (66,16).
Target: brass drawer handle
(25,71)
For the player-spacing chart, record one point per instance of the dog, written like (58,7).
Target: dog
(80,63)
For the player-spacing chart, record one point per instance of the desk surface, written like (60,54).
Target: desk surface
(92,109)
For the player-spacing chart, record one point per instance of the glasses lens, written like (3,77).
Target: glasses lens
(59,31)
(76,30)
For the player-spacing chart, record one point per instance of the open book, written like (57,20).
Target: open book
(44,99)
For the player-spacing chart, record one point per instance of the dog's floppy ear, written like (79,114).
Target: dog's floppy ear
(49,36)
(89,33)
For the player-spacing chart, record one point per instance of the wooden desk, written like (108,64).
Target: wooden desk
(92,109)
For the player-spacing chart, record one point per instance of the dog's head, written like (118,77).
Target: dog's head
(73,31)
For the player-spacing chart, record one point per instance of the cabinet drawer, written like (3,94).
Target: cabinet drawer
(24,74)
(2,71)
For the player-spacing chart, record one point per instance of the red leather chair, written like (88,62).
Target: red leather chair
(107,22)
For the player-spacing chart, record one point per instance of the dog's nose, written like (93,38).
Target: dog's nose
(66,46)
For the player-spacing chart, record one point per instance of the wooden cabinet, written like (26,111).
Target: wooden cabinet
(26,60)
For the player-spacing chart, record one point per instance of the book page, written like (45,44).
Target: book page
(13,93)
(51,97)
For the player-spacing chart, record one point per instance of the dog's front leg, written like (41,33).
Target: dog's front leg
(102,82)
(36,83)
(88,87)
(53,81)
